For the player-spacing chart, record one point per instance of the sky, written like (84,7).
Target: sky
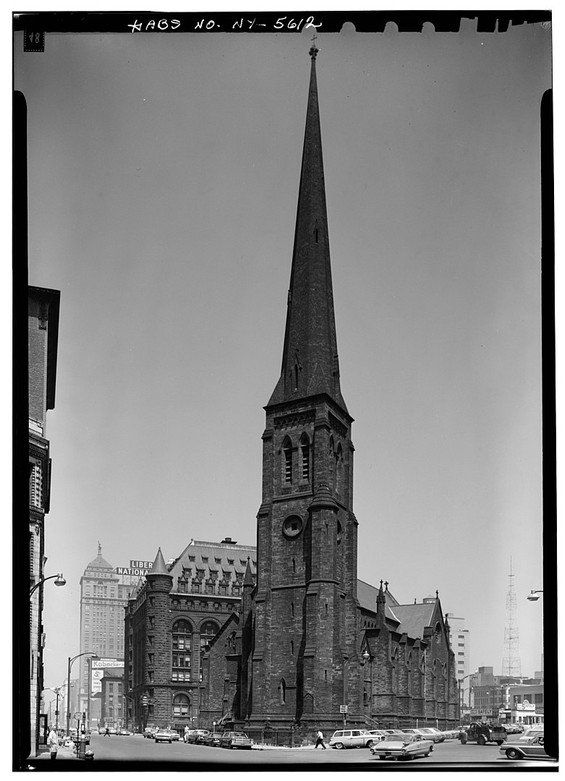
(163,183)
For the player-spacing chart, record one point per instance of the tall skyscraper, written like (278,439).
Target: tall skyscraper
(104,592)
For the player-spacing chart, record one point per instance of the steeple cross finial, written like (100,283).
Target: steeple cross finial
(313,49)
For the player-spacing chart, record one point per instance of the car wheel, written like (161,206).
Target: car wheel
(338,745)
(370,743)
(481,740)
(512,753)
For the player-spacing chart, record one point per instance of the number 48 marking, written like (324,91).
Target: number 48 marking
(34,41)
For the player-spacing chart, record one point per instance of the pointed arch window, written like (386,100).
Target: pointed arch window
(305,457)
(332,463)
(282,691)
(287,460)
(339,469)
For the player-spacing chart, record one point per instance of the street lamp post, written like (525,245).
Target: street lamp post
(59,581)
(533,596)
(69,665)
(57,691)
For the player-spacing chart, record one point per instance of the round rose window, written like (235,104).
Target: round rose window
(292,526)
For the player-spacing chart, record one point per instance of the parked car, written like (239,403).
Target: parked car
(531,747)
(194,734)
(431,732)
(513,729)
(235,740)
(165,736)
(188,734)
(380,734)
(403,746)
(352,738)
(149,732)
(212,739)
(201,735)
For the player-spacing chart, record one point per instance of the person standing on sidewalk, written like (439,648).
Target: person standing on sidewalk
(53,743)
(320,739)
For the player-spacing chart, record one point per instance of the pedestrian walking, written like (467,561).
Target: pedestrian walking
(185,736)
(53,742)
(107,733)
(320,739)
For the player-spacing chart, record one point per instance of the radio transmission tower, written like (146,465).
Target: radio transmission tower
(511,665)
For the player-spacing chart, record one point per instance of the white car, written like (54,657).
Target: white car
(431,732)
(403,746)
(352,738)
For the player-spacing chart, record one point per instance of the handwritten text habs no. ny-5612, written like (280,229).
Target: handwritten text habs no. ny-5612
(241,23)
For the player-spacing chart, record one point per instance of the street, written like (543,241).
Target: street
(110,752)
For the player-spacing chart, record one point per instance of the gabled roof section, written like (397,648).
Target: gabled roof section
(367,596)
(411,620)
(415,618)
(310,361)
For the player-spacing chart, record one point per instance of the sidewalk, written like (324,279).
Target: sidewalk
(63,752)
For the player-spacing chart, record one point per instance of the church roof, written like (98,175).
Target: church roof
(415,618)
(411,619)
(367,596)
(310,361)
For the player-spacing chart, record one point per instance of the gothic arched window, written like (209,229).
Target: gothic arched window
(208,630)
(339,469)
(304,457)
(182,647)
(282,691)
(287,460)
(332,463)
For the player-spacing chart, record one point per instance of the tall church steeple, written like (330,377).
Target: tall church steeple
(305,601)
(310,361)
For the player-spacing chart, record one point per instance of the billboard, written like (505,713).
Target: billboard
(99,667)
(137,567)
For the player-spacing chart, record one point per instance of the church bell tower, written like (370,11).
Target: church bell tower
(305,663)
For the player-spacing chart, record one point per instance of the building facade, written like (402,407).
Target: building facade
(112,701)
(460,640)
(43,327)
(170,619)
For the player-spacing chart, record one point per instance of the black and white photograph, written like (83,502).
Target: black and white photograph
(289,390)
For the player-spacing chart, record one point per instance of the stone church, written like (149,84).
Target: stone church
(308,645)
